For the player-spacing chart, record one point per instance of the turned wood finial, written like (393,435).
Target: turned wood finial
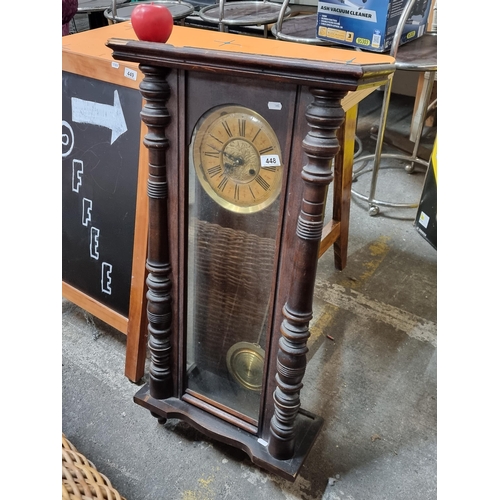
(156,91)
(324,117)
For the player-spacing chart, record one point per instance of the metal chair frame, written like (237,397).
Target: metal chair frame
(208,14)
(423,107)
(277,29)
(111,13)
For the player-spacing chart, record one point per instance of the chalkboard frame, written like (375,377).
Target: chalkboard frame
(91,59)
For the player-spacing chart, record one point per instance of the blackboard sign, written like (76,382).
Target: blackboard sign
(100,156)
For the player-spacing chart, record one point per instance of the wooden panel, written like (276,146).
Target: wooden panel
(86,54)
(86,58)
(137,334)
(96,308)
(330,235)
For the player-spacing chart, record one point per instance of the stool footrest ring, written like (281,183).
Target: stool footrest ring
(364,170)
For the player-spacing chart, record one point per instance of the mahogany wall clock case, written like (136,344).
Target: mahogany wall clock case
(241,134)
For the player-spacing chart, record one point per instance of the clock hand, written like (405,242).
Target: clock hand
(235,159)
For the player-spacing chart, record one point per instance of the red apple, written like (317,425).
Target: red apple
(152,22)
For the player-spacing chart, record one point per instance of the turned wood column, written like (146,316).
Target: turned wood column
(324,117)
(156,91)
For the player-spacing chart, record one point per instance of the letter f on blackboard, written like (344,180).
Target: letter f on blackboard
(104,115)
(77,176)
(86,211)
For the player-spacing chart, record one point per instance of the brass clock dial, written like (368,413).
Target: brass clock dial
(237,158)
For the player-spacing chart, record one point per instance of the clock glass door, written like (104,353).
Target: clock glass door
(235,181)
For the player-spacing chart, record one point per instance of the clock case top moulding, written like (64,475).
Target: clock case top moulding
(316,79)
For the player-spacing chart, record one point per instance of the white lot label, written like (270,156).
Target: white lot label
(130,73)
(274,105)
(270,161)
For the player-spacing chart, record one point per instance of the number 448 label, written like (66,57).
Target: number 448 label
(270,161)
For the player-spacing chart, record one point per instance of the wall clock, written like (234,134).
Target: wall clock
(241,136)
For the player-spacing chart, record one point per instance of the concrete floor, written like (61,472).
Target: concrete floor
(371,376)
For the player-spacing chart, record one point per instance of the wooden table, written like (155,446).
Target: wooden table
(85,54)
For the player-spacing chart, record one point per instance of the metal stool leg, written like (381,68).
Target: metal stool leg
(429,78)
(373,203)
(374,209)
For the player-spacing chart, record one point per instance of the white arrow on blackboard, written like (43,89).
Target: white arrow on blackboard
(104,115)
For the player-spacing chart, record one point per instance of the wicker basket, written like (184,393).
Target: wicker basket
(80,478)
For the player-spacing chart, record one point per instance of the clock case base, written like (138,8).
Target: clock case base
(307,425)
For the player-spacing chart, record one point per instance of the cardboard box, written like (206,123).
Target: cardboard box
(369,24)
(426,219)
